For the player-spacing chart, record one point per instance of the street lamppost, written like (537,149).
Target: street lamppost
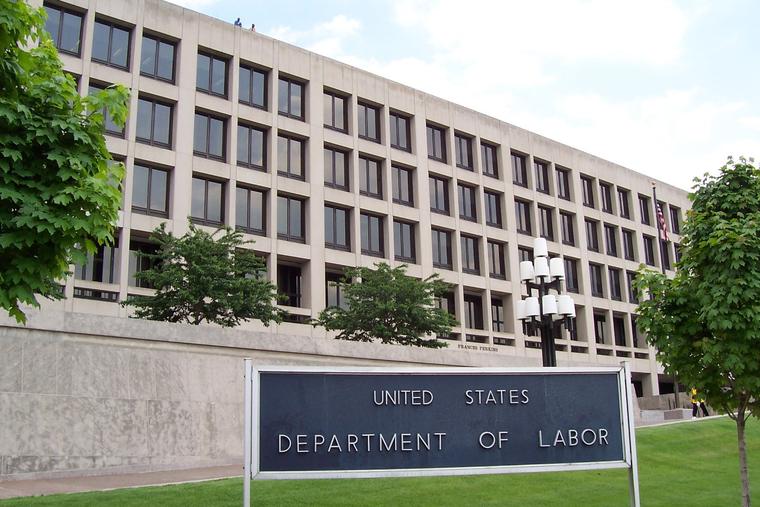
(538,312)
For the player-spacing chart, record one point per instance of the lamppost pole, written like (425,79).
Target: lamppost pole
(544,275)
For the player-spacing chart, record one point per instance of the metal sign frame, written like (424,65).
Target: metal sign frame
(252,426)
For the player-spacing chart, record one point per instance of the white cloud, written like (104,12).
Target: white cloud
(325,38)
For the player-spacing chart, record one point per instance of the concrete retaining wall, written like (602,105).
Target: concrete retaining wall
(83,394)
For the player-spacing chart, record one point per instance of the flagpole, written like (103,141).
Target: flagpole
(663,245)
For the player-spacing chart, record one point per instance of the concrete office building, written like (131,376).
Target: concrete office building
(326,166)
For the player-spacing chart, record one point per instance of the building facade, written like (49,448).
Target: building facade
(326,166)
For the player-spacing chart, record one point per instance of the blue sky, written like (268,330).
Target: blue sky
(665,88)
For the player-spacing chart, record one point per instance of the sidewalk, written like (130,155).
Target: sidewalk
(36,487)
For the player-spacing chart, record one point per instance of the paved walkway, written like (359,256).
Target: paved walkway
(35,487)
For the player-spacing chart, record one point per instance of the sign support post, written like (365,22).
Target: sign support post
(247,435)
(633,470)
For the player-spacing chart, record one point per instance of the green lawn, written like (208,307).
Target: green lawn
(679,465)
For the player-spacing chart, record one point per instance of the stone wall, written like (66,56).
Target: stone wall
(85,394)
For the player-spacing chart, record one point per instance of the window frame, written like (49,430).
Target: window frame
(434,180)
(364,167)
(412,247)
(546,222)
(498,248)
(629,254)
(587,191)
(645,210)
(571,275)
(207,154)
(472,215)
(292,296)
(249,141)
(567,218)
(204,220)
(347,225)
(111,26)
(648,244)
(592,225)
(248,228)
(492,169)
(431,130)
(57,39)
(376,219)
(595,279)
(288,235)
(624,203)
(148,210)
(542,174)
(377,110)
(254,69)
(605,197)
(473,311)
(333,95)
(395,118)
(152,141)
(291,82)
(611,240)
(675,219)
(563,183)
(333,168)
(288,173)
(397,171)
(447,248)
(469,265)
(463,141)
(492,205)
(519,174)
(523,217)
(616,288)
(213,57)
(159,40)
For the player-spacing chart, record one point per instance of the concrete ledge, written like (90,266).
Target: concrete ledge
(677,414)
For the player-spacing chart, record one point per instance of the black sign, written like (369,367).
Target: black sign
(349,421)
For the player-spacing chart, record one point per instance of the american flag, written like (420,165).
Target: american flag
(663,226)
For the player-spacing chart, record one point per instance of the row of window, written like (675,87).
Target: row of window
(103,266)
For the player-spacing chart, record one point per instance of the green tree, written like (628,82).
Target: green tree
(200,277)
(388,305)
(705,322)
(59,193)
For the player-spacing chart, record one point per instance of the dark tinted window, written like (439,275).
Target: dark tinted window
(563,184)
(587,186)
(610,238)
(629,245)
(251,147)
(436,143)
(597,284)
(211,75)
(290,218)
(522,215)
(372,235)
(467,203)
(463,149)
(369,122)
(290,157)
(497,264)
(403,192)
(150,191)
(441,249)
(336,168)
(335,111)
(154,122)
(370,177)
(571,275)
(209,139)
(493,209)
(488,160)
(616,291)
(65,28)
(542,176)
(519,170)
(252,87)
(470,254)
(250,210)
(605,194)
(157,58)
(649,250)
(207,202)
(337,228)
(110,44)
(546,222)
(473,311)
(289,283)
(592,235)
(568,228)
(623,204)
(403,241)
(400,132)
(439,195)
(644,209)
(290,100)
(675,220)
